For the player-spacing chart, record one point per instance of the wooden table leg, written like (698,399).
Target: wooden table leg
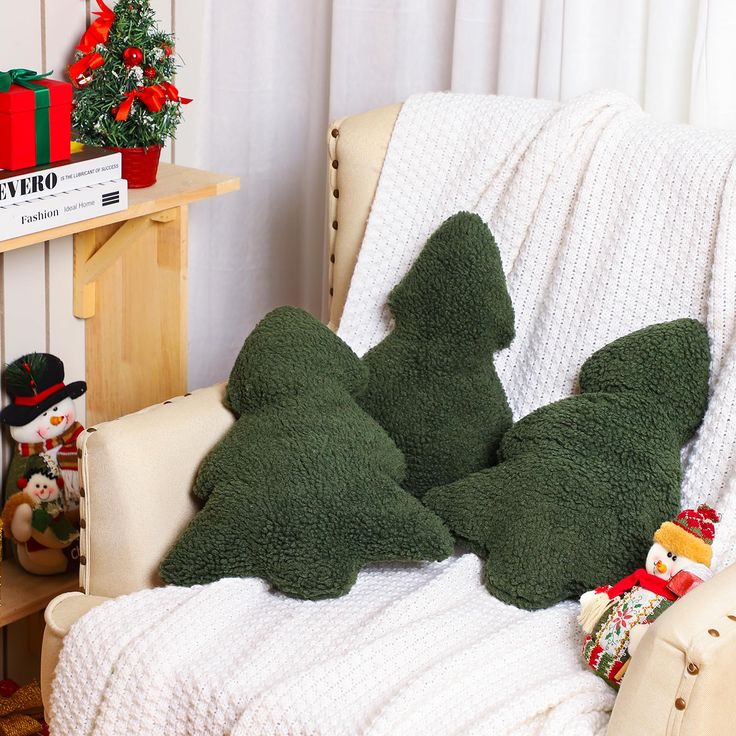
(136,336)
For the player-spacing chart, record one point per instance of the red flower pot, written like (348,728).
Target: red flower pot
(140,165)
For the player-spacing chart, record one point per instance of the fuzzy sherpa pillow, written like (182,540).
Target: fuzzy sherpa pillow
(433,385)
(583,483)
(304,489)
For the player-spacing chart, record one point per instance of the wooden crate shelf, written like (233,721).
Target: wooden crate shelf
(130,273)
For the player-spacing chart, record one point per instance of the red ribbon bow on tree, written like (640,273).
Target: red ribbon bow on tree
(173,93)
(99,30)
(153,97)
(77,71)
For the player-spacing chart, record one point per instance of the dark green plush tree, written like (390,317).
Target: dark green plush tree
(583,484)
(124,69)
(304,489)
(433,385)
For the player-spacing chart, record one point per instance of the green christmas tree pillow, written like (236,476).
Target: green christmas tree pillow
(304,489)
(582,484)
(433,385)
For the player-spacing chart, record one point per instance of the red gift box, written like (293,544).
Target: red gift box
(35,129)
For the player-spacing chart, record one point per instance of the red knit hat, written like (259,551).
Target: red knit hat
(690,534)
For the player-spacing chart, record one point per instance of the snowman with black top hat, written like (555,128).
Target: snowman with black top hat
(42,422)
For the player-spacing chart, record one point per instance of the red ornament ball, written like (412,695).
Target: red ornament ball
(168,50)
(132,56)
(149,72)
(8,688)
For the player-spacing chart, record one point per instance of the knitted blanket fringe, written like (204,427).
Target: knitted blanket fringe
(607,221)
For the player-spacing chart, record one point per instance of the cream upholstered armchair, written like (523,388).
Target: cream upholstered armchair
(683,677)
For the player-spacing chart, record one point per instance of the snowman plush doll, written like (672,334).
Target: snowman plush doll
(42,419)
(46,541)
(615,617)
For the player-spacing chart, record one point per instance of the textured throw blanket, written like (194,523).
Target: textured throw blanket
(607,221)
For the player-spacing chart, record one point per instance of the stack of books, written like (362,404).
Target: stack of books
(86,185)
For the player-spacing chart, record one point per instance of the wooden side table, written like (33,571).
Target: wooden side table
(130,285)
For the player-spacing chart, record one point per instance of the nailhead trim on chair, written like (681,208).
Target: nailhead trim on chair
(680,704)
(335,133)
(714,632)
(82,560)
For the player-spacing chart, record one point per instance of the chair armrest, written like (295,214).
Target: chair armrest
(137,474)
(60,614)
(682,679)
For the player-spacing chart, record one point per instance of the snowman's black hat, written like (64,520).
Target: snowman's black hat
(35,382)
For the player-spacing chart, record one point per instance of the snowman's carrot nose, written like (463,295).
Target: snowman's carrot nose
(661,567)
(56,420)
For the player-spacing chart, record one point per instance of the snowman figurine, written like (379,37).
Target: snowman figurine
(42,419)
(615,617)
(46,541)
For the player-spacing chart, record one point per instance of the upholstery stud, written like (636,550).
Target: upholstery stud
(82,560)
(335,132)
(332,258)
(81,492)
(693,669)
(335,164)
(332,291)
(680,704)
(336,193)
(732,616)
(166,402)
(92,429)
(334,224)
(714,632)
(83,523)
(79,453)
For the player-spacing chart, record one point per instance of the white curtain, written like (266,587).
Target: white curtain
(277,71)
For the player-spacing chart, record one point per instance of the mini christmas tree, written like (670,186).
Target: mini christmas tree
(123,73)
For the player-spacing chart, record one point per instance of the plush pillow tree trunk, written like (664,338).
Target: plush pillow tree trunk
(582,484)
(304,489)
(433,385)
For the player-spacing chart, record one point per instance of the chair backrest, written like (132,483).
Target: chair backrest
(357,147)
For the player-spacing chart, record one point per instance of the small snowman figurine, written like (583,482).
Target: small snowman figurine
(46,541)
(42,419)
(615,617)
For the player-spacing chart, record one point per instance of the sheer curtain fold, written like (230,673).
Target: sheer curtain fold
(279,70)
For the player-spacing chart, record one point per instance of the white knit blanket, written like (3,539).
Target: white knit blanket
(606,221)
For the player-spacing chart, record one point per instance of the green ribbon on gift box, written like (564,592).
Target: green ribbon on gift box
(28,79)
